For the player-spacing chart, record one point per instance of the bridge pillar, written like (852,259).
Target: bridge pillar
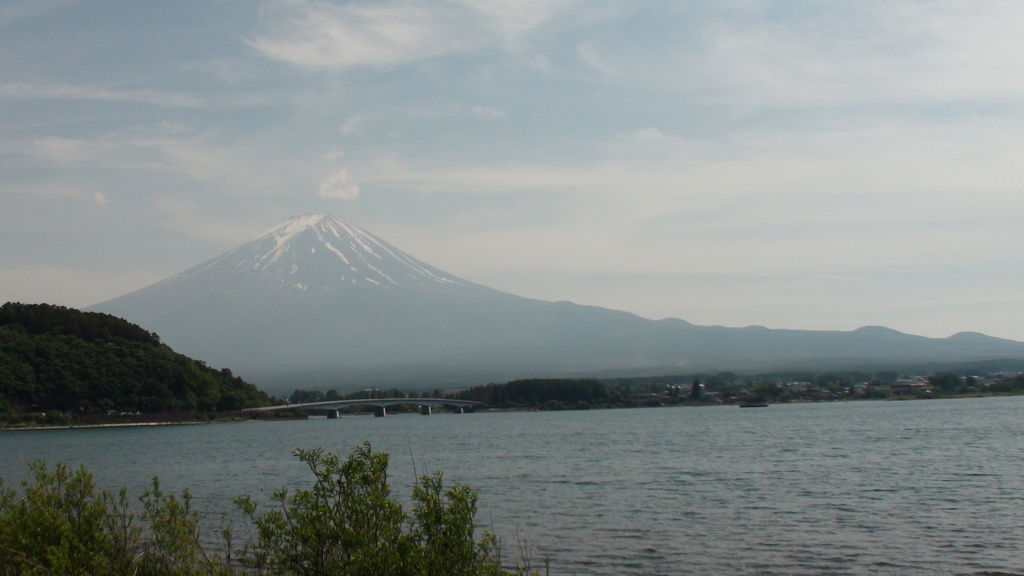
(425,409)
(332,414)
(380,412)
(460,410)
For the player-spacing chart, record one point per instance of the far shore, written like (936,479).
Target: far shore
(111,425)
(483,410)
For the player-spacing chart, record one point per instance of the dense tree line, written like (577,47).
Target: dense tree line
(547,393)
(1012,384)
(563,392)
(54,358)
(300,396)
(692,389)
(36,319)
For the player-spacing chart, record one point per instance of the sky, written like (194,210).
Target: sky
(796,164)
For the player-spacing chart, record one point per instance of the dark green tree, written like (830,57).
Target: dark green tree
(766,391)
(348,523)
(945,382)
(61,524)
(54,358)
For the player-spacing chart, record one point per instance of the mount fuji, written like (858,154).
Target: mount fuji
(317,301)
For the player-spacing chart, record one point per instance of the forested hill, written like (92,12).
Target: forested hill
(54,358)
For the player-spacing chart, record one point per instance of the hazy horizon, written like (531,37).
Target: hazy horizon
(825,166)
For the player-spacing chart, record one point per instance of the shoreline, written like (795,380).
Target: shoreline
(111,425)
(496,409)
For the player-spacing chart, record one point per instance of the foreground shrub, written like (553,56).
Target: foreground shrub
(347,524)
(62,525)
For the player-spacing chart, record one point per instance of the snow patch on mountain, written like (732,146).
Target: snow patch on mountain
(323,251)
(283,232)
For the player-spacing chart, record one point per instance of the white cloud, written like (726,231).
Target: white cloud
(66,151)
(875,197)
(338,186)
(317,35)
(349,126)
(873,53)
(16,10)
(230,72)
(27,91)
(334,155)
(513,19)
(59,189)
(488,112)
(892,53)
(161,155)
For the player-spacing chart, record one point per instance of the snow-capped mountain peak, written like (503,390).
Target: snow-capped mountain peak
(324,252)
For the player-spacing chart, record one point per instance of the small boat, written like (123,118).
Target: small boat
(753,404)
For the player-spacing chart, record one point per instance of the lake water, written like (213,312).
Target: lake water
(874,488)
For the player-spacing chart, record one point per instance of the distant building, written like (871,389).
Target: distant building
(913,387)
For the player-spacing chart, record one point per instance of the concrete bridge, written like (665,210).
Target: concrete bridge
(332,406)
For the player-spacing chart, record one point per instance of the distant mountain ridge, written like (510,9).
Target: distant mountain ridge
(320,300)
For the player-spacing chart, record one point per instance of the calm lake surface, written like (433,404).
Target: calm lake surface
(874,488)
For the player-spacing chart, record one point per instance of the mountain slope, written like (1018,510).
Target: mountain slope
(319,299)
